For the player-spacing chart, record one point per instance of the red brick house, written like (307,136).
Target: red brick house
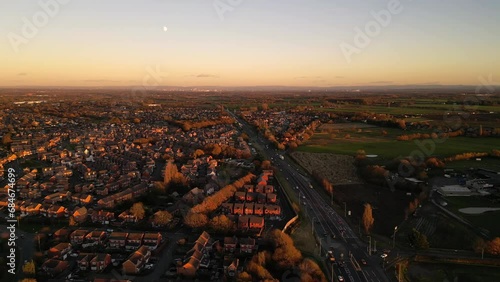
(247,245)
(117,240)
(77,237)
(60,251)
(243,221)
(136,261)
(238,209)
(100,262)
(256,222)
(134,240)
(54,267)
(249,208)
(258,209)
(230,244)
(152,240)
(272,210)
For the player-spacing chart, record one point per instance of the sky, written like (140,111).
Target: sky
(248,42)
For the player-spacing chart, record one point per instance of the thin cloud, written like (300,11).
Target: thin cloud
(22,74)
(205,75)
(307,77)
(100,80)
(382,82)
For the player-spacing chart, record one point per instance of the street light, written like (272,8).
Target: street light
(370,245)
(312,225)
(394,237)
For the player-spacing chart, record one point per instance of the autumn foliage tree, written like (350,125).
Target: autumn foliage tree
(493,247)
(285,253)
(172,175)
(195,220)
(161,218)
(137,210)
(221,224)
(310,271)
(368,219)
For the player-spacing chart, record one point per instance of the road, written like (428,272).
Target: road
(324,219)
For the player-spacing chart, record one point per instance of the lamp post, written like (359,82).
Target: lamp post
(320,246)
(312,225)
(394,237)
(370,246)
(332,271)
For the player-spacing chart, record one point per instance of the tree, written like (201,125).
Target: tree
(312,270)
(419,240)
(368,219)
(244,277)
(216,150)
(7,138)
(170,171)
(493,246)
(162,218)
(244,136)
(137,210)
(198,153)
(195,220)
(29,269)
(265,106)
(72,221)
(265,164)
(221,224)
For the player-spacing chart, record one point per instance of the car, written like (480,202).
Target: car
(363,261)
(383,256)
(22,236)
(341,279)
(334,236)
(74,255)
(325,234)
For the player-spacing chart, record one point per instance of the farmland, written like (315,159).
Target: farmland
(345,139)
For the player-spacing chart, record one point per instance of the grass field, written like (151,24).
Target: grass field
(386,147)
(488,220)
(425,272)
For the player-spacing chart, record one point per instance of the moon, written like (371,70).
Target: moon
(165,28)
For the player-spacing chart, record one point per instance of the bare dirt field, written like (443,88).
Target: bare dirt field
(339,169)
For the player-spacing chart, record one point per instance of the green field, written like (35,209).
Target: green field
(388,147)
(427,272)
(488,220)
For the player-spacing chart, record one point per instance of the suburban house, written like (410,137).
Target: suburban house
(96,237)
(54,267)
(256,222)
(249,207)
(243,221)
(60,250)
(230,244)
(136,261)
(194,257)
(134,240)
(117,240)
(272,210)
(100,262)
(83,261)
(152,240)
(77,237)
(247,245)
